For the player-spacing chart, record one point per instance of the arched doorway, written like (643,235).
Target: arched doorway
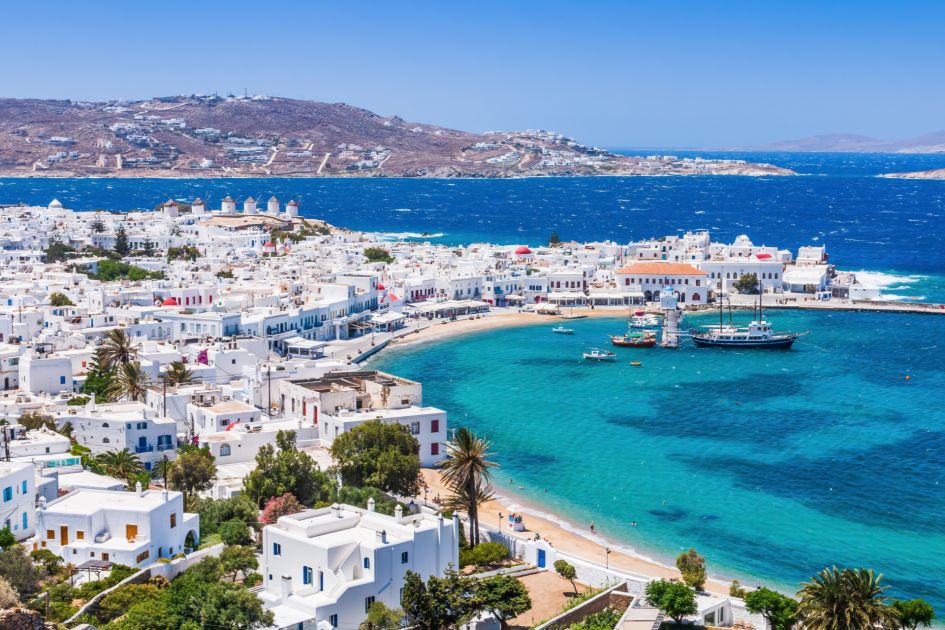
(648,295)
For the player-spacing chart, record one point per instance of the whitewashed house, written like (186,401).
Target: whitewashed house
(18,498)
(331,564)
(132,528)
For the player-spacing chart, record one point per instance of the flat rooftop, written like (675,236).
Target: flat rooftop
(351,380)
(88,501)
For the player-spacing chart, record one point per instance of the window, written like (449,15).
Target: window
(50,534)
(62,380)
(8,494)
(225,450)
(105,440)
(142,556)
(414,428)
(276,549)
(367,602)
(435,448)
(105,556)
(173,519)
(367,563)
(79,535)
(435,426)
(333,620)
(404,557)
(25,521)
(306,575)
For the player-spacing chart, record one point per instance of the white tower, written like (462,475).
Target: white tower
(272,207)
(228,206)
(171,208)
(249,206)
(668,304)
(292,209)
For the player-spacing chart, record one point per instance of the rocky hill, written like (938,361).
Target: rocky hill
(852,143)
(212,136)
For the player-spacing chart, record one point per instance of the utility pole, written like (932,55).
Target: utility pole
(165,395)
(269,387)
(6,443)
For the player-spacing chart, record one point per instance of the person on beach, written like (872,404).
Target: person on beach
(592,527)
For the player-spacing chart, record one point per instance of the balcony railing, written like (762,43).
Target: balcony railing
(144,449)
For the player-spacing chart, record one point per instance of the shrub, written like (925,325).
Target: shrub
(484,554)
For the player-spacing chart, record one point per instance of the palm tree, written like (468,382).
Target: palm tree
(178,374)
(848,599)
(118,348)
(467,474)
(122,464)
(130,381)
(161,469)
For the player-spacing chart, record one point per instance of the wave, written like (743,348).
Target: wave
(881,280)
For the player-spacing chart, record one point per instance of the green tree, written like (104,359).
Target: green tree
(777,609)
(177,373)
(129,381)
(380,617)
(674,598)
(99,377)
(606,619)
(122,464)
(7,539)
(232,606)
(913,613)
(97,226)
(378,254)
(32,420)
(122,248)
(467,474)
(692,567)
(188,252)
(352,495)
(484,554)
(554,240)
(503,596)
(566,570)
(60,299)
(847,599)
(19,570)
(379,455)
(194,471)
(117,349)
(214,512)
(747,283)
(236,559)
(235,532)
(49,561)
(735,589)
(440,603)
(121,599)
(57,251)
(285,469)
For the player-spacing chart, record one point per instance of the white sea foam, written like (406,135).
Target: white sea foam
(880,280)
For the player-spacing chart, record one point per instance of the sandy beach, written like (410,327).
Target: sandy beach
(566,538)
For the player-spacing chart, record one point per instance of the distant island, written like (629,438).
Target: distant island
(852,143)
(938,173)
(214,136)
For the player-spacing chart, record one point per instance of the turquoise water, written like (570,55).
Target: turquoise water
(773,464)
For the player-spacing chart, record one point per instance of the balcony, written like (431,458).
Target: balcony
(144,449)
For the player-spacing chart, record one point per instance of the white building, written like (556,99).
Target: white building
(129,425)
(653,278)
(132,528)
(331,564)
(18,498)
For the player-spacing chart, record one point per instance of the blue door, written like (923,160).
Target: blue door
(541,558)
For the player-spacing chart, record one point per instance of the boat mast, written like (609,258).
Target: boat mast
(720,304)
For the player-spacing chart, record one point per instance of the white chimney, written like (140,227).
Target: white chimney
(138,489)
(384,536)
(336,509)
(370,504)
(249,206)
(398,511)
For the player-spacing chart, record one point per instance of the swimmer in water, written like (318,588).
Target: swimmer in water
(592,527)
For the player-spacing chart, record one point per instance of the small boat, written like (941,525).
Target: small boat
(561,330)
(645,339)
(636,363)
(644,321)
(596,354)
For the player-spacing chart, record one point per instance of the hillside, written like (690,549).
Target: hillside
(212,136)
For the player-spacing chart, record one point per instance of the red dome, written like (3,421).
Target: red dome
(268,244)
(521,251)
(169,302)
(380,287)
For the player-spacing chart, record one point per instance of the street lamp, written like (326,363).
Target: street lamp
(607,557)
(500,522)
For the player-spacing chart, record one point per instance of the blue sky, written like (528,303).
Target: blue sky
(650,74)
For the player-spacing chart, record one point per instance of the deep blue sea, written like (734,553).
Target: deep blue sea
(773,464)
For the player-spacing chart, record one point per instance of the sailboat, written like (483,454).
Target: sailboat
(758,333)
